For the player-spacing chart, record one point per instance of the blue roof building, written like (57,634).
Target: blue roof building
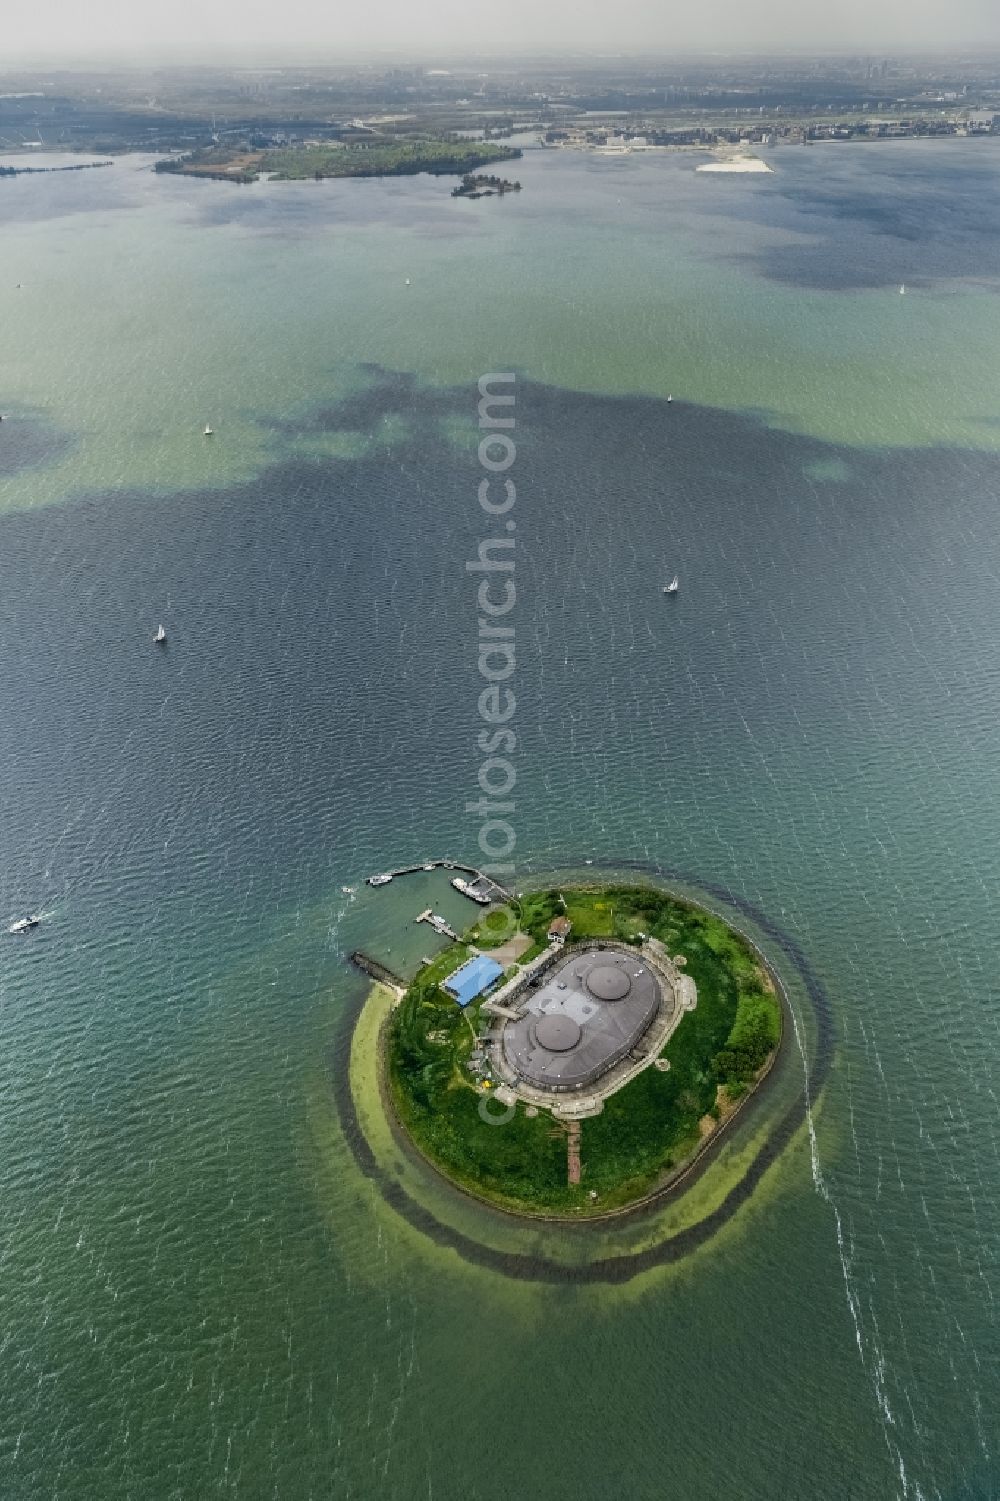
(472,978)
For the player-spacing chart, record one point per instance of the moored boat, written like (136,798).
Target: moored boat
(468,889)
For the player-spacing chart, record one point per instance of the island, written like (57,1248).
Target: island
(585,1062)
(334,158)
(477,185)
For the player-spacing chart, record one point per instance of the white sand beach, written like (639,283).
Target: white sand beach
(737,164)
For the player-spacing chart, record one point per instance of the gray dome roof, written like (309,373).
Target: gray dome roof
(608,983)
(557,1033)
(591,1008)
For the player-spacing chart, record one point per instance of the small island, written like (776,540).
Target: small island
(477,185)
(584,1062)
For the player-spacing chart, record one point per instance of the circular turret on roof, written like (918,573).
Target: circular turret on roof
(608,983)
(557,1033)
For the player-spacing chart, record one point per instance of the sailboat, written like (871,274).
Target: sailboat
(209,431)
(902,291)
(160,637)
(673,586)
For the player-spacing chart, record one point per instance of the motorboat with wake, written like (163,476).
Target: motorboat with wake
(25,924)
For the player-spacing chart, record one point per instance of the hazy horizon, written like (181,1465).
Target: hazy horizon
(219,31)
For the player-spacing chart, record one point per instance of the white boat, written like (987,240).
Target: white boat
(467,889)
(673,586)
(669,400)
(209,431)
(407,281)
(382,880)
(902,291)
(23,924)
(160,636)
(347,890)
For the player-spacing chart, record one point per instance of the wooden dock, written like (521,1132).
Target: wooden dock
(438,924)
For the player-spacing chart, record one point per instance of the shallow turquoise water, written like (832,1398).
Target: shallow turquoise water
(200,1293)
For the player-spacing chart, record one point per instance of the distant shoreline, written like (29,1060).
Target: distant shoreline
(69,167)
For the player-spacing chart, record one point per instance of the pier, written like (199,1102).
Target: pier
(438,924)
(481,888)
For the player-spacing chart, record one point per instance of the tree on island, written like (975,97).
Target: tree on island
(478,185)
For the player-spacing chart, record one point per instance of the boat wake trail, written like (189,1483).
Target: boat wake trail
(871,1356)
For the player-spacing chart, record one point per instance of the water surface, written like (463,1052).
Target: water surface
(201,1293)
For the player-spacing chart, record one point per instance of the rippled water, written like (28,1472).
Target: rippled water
(200,1294)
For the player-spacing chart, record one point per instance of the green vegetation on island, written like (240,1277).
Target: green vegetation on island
(382,158)
(480,185)
(649,1129)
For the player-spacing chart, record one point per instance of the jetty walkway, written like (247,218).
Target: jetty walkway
(491,889)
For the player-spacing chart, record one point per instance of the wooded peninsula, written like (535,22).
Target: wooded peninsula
(336,159)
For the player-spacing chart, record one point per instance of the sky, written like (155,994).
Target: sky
(327,30)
